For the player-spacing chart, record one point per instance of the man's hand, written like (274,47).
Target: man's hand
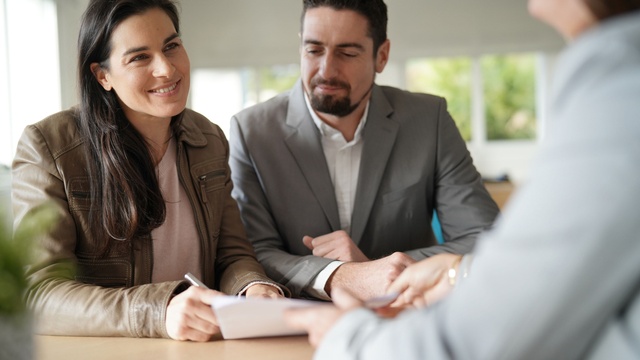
(425,282)
(336,245)
(263,291)
(318,320)
(368,279)
(189,315)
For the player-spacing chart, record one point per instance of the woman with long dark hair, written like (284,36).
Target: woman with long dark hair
(141,186)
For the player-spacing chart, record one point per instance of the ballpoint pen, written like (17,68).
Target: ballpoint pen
(195,281)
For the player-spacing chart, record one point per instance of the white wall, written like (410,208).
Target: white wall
(250,32)
(225,33)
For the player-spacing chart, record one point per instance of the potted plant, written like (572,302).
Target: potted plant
(16,335)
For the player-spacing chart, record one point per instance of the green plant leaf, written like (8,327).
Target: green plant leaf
(15,254)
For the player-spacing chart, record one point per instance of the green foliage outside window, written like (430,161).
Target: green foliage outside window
(509,92)
(449,78)
(276,79)
(509,96)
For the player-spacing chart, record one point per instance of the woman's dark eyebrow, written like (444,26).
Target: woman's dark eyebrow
(171,37)
(143,48)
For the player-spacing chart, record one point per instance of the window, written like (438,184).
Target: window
(507,96)
(276,79)
(494,100)
(219,94)
(5,136)
(449,78)
(29,68)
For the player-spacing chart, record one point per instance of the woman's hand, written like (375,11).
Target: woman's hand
(190,317)
(263,291)
(425,282)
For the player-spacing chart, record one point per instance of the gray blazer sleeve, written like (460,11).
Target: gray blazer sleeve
(464,207)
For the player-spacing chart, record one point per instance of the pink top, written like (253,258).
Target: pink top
(176,245)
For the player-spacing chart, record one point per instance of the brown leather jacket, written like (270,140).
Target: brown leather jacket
(74,291)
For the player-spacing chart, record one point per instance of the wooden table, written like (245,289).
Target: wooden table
(98,348)
(500,191)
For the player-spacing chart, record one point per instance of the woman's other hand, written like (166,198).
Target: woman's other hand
(190,317)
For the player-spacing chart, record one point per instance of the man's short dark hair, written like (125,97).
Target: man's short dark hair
(375,11)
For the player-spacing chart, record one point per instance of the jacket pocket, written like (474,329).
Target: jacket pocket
(79,194)
(211,182)
(211,179)
(104,272)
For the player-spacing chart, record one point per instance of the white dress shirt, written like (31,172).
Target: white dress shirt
(343,161)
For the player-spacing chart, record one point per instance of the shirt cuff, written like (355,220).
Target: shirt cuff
(244,289)
(317,289)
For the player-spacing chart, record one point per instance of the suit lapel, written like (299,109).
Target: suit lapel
(304,144)
(379,136)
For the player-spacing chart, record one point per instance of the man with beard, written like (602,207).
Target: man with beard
(337,179)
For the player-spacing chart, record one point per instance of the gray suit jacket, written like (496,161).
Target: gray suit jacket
(559,275)
(413,161)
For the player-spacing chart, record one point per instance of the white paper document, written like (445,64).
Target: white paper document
(241,317)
